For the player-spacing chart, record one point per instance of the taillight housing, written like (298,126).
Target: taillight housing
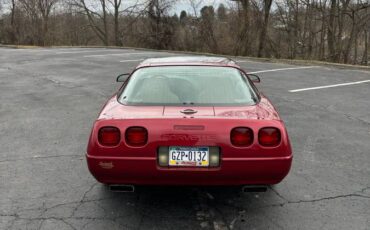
(241,136)
(136,136)
(109,136)
(269,137)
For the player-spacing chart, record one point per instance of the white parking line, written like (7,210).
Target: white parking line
(241,61)
(87,51)
(59,49)
(131,60)
(122,54)
(329,86)
(274,70)
(49,50)
(68,49)
(33,49)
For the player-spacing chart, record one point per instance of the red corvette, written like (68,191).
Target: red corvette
(188,121)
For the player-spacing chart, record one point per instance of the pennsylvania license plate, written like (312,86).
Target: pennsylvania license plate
(188,156)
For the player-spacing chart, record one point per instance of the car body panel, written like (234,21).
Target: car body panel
(264,110)
(145,171)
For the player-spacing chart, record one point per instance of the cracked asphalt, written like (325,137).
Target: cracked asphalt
(50,98)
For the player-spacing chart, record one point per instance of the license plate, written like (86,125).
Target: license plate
(188,156)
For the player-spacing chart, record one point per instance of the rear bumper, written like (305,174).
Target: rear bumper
(145,171)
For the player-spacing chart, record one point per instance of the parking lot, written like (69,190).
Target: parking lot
(50,98)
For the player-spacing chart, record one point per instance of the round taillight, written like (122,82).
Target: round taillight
(241,136)
(269,137)
(109,136)
(136,136)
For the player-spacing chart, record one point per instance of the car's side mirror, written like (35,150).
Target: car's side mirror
(254,78)
(122,77)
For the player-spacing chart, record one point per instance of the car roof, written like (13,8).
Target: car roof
(189,60)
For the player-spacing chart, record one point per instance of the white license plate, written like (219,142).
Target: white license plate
(188,156)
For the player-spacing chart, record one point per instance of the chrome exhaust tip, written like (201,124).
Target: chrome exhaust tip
(121,188)
(254,188)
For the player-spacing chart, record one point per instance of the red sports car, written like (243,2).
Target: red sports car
(188,121)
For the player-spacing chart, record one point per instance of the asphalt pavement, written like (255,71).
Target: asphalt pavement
(50,97)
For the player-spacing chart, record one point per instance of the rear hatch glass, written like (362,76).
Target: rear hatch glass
(188,85)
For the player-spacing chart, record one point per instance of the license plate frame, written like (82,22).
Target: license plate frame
(183,156)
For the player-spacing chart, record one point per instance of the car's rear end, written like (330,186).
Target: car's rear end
(239,151)
(138,140)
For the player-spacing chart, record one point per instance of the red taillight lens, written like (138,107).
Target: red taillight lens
(241,136)
(269,137)
(136,136)
(109,136)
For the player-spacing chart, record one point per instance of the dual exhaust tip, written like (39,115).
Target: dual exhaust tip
(131,188)
(254,188)
(121,188)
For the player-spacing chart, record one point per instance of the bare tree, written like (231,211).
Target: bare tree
(262,41)
(96,15)
(331,33)
(116,6)
(13,27)
(39,11)
(243,33)
(44,7)
(195,5)
(359,18)
(364,60)
(207,28)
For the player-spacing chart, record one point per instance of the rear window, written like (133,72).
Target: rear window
(188,85)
